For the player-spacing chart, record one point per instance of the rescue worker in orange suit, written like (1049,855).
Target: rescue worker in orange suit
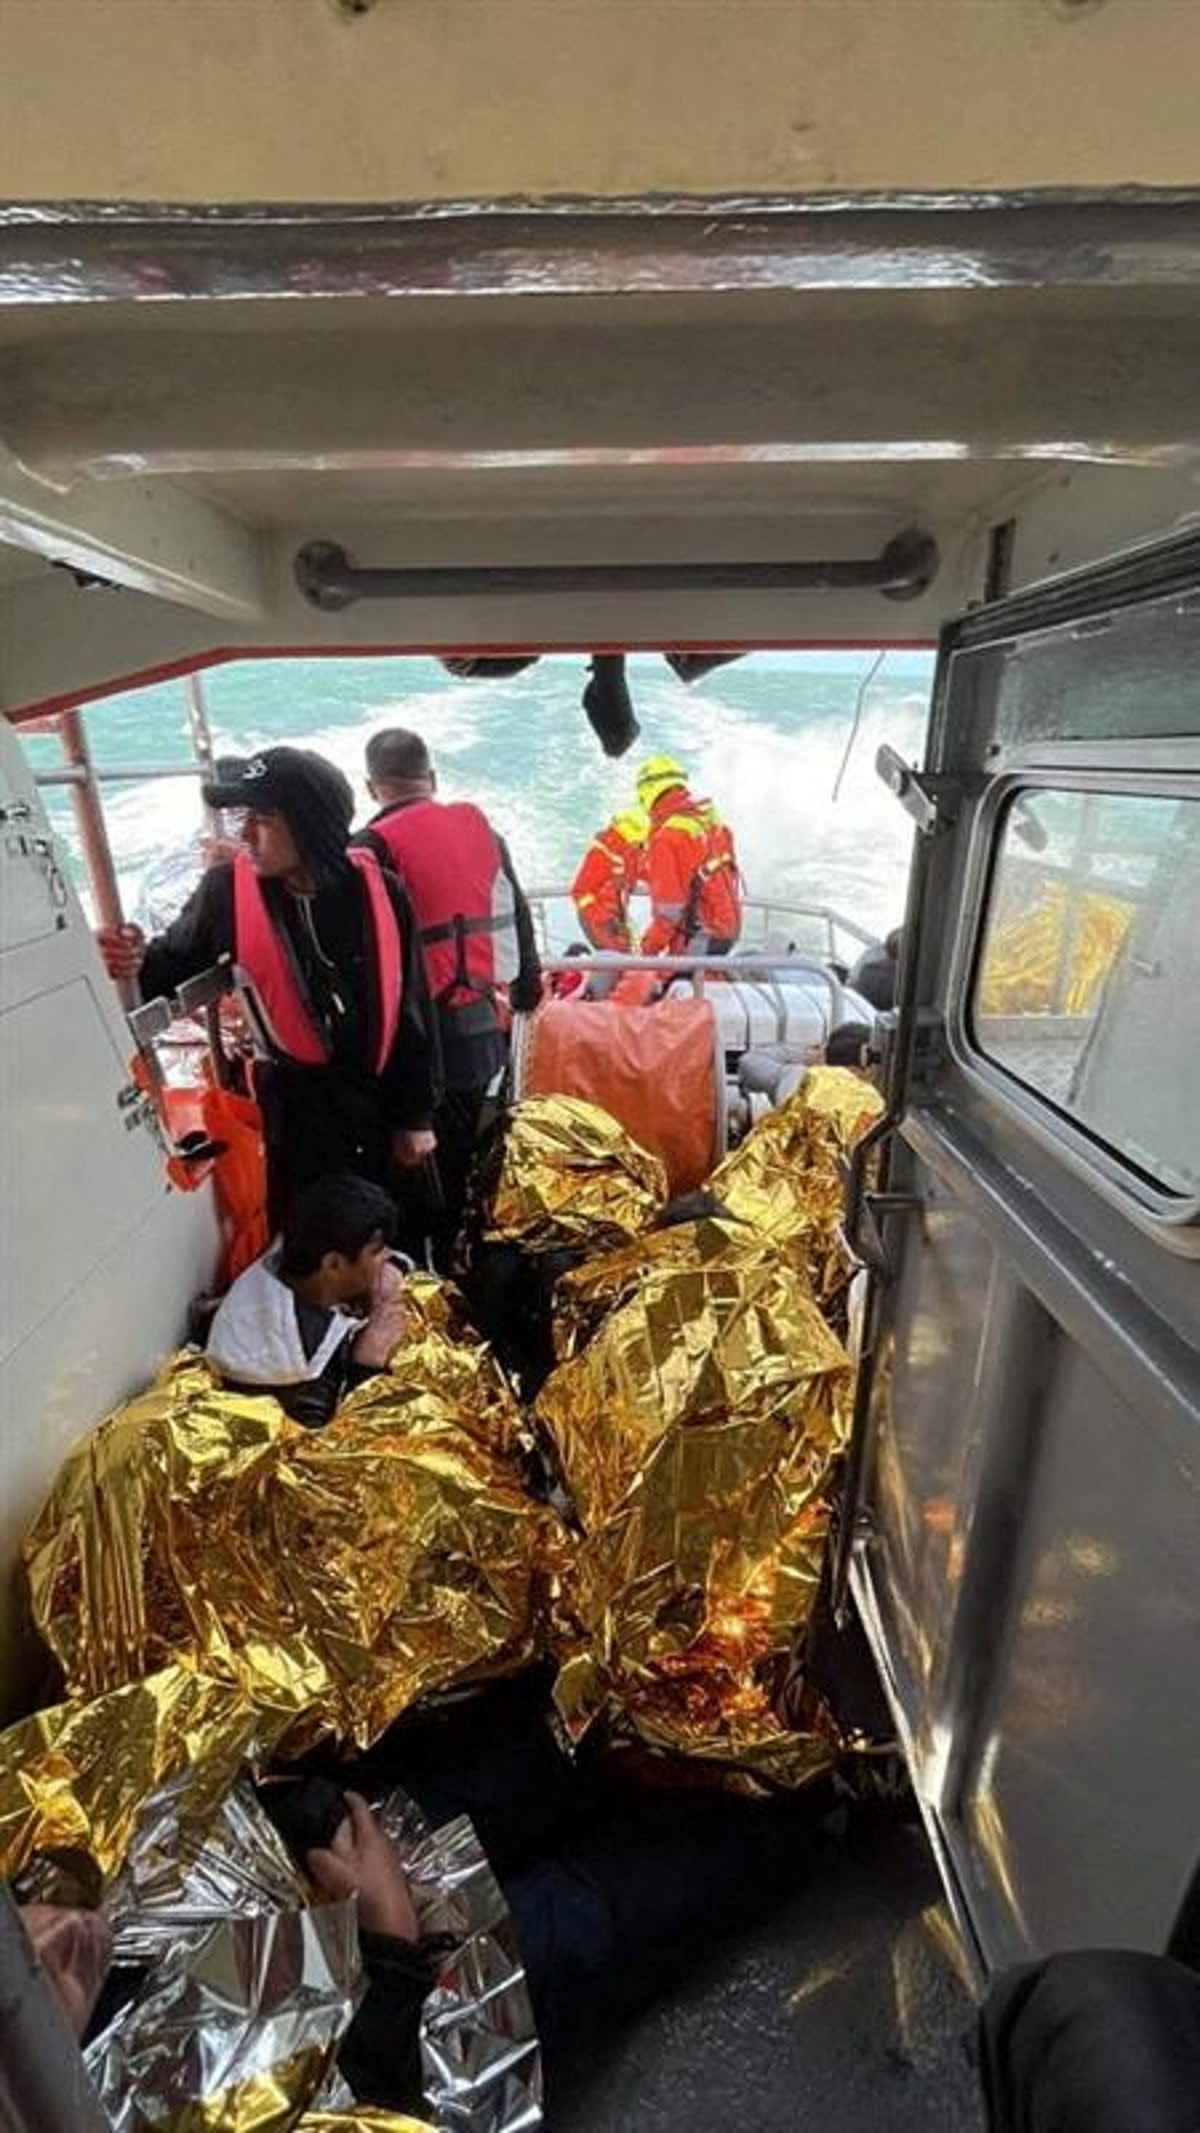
(325,954)
(691,867)
(608,874)
(474,924)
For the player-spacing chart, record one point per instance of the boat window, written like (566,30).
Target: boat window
(1087,986)
(1125,676)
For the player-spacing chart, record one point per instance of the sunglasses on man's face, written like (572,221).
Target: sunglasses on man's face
(235,821)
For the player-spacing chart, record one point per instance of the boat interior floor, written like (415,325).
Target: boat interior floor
(844,2011)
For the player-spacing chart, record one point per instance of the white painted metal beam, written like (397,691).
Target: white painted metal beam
(1009,375)
(149,537)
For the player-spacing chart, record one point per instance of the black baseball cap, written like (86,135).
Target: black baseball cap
(280,781)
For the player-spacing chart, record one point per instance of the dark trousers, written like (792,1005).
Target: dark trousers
(317,1120)
(456,1123)
(431,1201)
(1105,2042)
(608,1885)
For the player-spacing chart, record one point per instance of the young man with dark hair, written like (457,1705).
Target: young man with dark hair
(325,955)
(474,925)
(846,1046)
(319,1312)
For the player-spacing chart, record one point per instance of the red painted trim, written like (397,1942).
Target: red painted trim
(225,655)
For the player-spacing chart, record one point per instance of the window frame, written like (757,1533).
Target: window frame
(1165,770)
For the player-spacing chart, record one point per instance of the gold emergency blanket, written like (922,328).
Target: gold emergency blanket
(444,1370)
(584,1296)
(81,1782)
(787,1179)
(569,1174)
(360,2121)
(697,1431)
(1053,959)
(335,1575)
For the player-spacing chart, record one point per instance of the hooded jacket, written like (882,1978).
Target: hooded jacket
(692,876)
(326,935)
(606,877)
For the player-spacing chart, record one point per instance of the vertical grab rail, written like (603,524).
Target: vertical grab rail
(89,819)
(201,736)
(202,748)
(93,834)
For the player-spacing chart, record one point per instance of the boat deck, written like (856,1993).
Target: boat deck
(842,2013)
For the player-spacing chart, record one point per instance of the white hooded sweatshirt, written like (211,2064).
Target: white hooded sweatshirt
(255,1336)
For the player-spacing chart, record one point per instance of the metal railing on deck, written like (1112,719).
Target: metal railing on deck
(769,914)
(84,779)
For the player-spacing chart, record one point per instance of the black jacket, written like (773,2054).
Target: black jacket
(336,976)
(1093,2041)
(380,2055)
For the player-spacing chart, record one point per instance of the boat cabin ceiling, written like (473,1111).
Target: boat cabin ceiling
(362,101)
(713,325)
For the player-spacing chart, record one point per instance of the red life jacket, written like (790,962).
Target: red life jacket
(267,967)
(448,857)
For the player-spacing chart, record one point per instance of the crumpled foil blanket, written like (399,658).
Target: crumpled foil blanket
(250,1988)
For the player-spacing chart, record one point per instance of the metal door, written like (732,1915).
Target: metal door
(1022,1530)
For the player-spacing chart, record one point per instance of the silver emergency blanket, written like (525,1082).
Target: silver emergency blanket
(479,2051)
(236,2029)
(251,1989)
(164,1899)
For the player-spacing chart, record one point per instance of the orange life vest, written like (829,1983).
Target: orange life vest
(449,859)
(606,876)
(267,968)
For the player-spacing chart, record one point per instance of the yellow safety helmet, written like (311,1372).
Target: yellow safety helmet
(659,774)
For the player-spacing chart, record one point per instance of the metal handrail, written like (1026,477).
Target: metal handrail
(766,907)
(328,579)
(766,959)
(116,773)
(83,778)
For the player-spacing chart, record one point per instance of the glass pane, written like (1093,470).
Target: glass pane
(1124,678)
(1088,985)
(1127,676)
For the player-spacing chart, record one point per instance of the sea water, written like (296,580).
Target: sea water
(783,742)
